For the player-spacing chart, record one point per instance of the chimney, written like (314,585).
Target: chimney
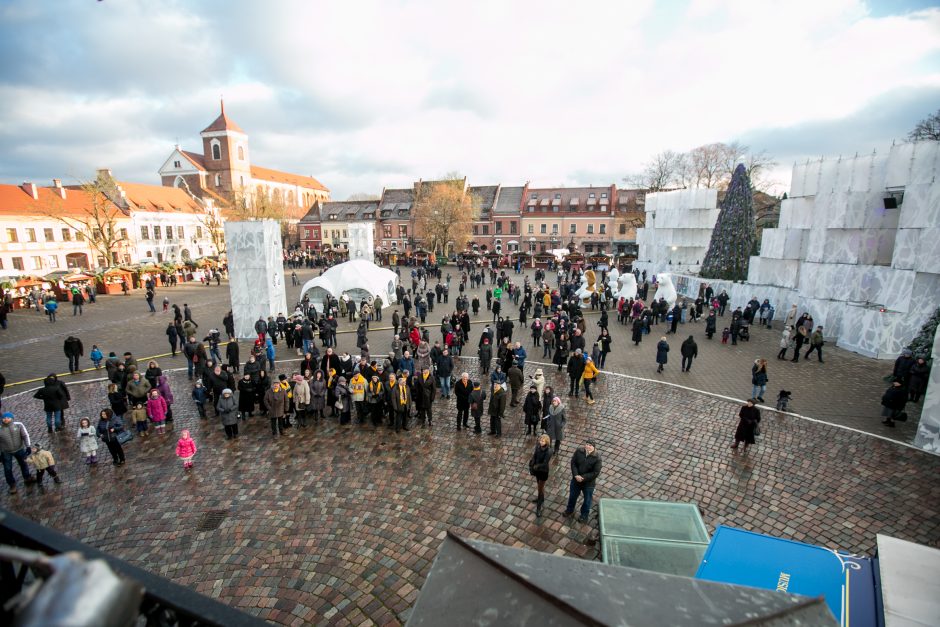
(104,174)
(57,186)
(30,188)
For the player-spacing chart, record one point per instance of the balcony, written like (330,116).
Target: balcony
(81,591)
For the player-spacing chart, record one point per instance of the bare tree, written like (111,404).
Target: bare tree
(664,171)
(444,215)
(211,220)
(927,129)
(96,219)
(363,196)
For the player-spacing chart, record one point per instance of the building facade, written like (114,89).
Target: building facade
(562,217)
(223,171)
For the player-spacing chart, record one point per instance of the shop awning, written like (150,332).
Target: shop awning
(751,559)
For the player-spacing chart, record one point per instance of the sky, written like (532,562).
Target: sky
(365,95)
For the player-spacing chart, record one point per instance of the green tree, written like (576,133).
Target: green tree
(735,235)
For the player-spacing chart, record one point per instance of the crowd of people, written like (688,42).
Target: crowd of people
(413,383)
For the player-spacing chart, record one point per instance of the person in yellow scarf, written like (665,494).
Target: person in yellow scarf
(357,393)
(589,376)
(401,403)
(375,399)
(424,393)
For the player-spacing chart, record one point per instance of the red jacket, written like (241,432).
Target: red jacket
(186,448)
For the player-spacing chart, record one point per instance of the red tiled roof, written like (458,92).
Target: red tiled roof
(196,159)
(159,198)
(16,202)
(276,176)
(223,123)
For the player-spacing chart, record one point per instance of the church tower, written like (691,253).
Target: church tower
(225,150)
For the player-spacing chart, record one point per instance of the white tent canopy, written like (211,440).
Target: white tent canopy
(357,279)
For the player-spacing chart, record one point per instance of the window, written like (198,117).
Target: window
(476,229)
(123,233)
(156,231)
(603,229)
(316,232)
(623,229)
(588,248)
(66,235)
(216,150)
(241,180)
(159,257)
(30,235)
(180,233)
(534,197)
(80,237)
(18,263)
(590,229)
(402,230)
(344,233)
(604,195)
(144,233)
(53,261)
(513,227)
(591,195)
(387,231)
(241,153)
(542,228)
(531,229)
(37,263)
(218,180)
(557,196)
(486,229)
(169,232)
(176,164)
(554,229)
(47,235)
(499,228)
(12,236)
(199,232)
(573,229)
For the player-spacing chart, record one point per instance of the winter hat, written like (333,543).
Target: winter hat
(590,443)
(8,414)
(282,377)
(907,352)
(226,391)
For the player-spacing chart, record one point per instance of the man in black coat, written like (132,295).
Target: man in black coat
(424,392)
(575,370)
(462,390)
(585,468)
(892,402)
(73,350)
(689,350)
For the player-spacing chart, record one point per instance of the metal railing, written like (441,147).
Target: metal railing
(42,567)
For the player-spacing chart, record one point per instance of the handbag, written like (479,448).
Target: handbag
(125,436)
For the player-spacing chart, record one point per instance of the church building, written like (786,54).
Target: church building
(223,172)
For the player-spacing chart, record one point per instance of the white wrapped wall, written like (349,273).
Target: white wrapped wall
(682,220)
(256,273)
(869,275)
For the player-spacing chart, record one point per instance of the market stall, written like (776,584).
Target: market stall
(112,281)
(64,282)
(600,262)
(543,260)
(20,288)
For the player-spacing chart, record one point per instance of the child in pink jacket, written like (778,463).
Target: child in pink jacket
(185,449)
(156,410)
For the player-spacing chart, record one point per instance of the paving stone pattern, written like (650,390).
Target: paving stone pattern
(341,524)
(845,390)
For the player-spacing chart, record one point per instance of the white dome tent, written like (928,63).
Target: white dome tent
(357,279)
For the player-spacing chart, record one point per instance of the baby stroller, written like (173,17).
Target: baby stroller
(744,332)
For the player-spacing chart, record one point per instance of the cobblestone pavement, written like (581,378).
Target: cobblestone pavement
(341,524)
(845,390)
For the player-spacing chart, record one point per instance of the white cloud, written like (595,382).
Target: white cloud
(363,95)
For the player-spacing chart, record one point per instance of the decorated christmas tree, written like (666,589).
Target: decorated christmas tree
(735,235)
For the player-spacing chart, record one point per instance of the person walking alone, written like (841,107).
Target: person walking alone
(749,418)
(585,468)
(689,351)
(759,379)
(539,467)
(662,353)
